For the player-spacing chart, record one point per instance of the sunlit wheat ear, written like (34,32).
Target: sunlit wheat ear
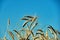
(33,20)
(31,33)
(29,16)
(43,36)
(4,38)
(34,25)
(39,31)
(28,33)
(53,31)
(24,18)
(47,37)
(11,35)
(26,36)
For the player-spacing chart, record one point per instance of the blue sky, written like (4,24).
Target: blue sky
(47,12)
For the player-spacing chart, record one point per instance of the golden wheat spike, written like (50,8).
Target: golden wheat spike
(53,31)
(31,33)
(39,31)
(33,20)
(11,35)
(28,33)
(42,36)
(29,16)
(24,18)
(47,37)
(25,35)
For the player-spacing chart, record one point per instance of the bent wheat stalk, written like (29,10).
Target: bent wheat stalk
(53,31)
(25,23)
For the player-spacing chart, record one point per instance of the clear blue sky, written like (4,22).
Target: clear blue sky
(46,10)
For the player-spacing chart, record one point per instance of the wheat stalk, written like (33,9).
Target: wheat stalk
(47,37)
(8,21)
(5,38)
(33,26)
(11,35)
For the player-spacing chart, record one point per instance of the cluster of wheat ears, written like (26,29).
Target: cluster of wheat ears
(28,27)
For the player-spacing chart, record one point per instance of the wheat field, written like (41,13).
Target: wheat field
(28,27)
